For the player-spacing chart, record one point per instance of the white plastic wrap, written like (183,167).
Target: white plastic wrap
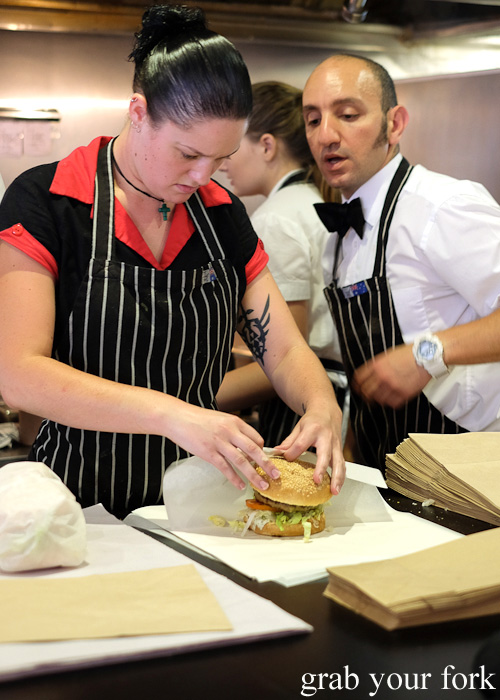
(41,523)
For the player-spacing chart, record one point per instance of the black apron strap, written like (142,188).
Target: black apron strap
(199,215)
(397,183)
(103,234)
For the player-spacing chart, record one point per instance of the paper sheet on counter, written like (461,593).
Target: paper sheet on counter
(361,526)
(113,547)
(131,603)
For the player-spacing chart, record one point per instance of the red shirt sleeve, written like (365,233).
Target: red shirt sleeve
(257,262)
(23,240)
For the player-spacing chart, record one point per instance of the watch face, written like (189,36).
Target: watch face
(427,350)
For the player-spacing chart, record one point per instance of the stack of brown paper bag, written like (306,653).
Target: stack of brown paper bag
(458,472)
(456,580)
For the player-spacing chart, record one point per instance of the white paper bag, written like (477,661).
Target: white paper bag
(41,523)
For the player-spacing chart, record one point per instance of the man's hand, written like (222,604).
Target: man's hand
(391,378)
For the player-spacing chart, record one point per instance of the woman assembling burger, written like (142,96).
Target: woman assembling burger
(131,270)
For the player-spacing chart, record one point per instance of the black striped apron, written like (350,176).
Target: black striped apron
(276,419)
(167,330)
(367,325)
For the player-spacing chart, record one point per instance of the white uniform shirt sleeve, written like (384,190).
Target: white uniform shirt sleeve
(289,255)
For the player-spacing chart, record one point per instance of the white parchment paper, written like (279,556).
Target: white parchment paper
(360,526)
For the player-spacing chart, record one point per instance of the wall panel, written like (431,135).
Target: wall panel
(453,126)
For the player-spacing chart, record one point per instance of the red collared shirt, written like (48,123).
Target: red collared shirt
(74,180)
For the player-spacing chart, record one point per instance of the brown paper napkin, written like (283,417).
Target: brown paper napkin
(455,580)
(457,472)
(155,601)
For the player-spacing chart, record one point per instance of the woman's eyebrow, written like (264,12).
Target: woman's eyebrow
(195,152)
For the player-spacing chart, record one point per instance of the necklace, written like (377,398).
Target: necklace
(163,209)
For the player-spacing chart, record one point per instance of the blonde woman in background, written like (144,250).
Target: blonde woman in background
(274,160)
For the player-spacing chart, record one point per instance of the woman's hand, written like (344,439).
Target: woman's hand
(225,441)
(320,428)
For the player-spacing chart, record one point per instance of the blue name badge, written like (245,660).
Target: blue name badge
(354,290)
(209,275)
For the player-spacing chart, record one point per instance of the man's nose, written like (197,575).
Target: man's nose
(329,132)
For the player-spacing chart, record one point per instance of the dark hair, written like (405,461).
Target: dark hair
(388,97)
(187,72)
(277,110)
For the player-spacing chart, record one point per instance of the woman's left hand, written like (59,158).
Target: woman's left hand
(320,428)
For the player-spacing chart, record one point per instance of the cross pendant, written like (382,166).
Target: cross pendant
(164,210)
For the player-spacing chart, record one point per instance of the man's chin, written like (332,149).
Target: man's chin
(335,180)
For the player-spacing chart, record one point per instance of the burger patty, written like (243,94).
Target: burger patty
(282,506)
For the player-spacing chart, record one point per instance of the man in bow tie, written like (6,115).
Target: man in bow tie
(402,284)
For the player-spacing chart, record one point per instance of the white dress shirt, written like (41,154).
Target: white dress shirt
(294,239)
(443,267)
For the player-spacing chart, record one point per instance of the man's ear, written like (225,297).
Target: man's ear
(397,121)
(269,146)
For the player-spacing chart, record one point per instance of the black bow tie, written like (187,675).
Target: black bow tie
(341,217)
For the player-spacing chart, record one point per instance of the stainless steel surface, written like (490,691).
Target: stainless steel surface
(312,21)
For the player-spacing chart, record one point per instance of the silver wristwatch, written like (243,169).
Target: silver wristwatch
(428,353)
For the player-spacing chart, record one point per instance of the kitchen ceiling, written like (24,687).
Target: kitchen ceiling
(312,22)
(413,15)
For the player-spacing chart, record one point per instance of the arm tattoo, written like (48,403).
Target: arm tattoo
(254,330)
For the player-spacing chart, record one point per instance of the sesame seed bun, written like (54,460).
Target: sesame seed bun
(295,486)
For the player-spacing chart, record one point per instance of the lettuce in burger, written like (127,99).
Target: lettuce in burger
(292,506)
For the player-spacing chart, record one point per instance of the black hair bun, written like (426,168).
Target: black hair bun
(162,22)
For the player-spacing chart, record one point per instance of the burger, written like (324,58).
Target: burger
(292,506)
